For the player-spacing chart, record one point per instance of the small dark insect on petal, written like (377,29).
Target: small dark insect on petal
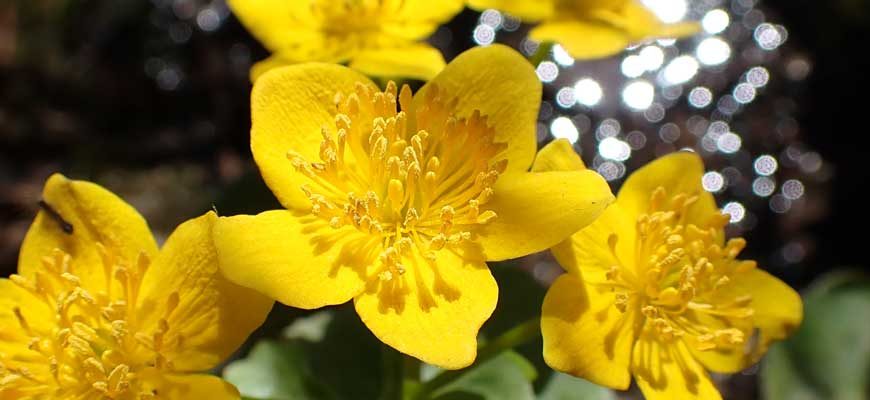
(65,226)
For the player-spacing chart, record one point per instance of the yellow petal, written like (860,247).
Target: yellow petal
(588,252)
(536,210)
(36,312)
(585,335)
(642,24)
(723,359)
(558,155)
(289,106)
(434,310)
(418,18)
(678,30)
(666,372)
(277,24)
(79,215)
(778,308)
(184,387)
(213,315)
(778,311)
(272,62)
(297,260)
(678,172)
(416,61)
(502,85)
(528,11)
(582,40)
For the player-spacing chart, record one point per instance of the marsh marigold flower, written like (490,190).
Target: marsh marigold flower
(376,37)
(96,311)
(397,200)
(654,290)
(589,28)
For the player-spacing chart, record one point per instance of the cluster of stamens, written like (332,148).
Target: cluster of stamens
(680,274)
(91,346)
(415,180)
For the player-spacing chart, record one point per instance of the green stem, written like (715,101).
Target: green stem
(391,382)
(518,335)
(542,53)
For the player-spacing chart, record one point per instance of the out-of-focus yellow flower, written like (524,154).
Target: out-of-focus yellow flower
(589,28)
(654,290)
(376,37)
(397,200)
(96,311)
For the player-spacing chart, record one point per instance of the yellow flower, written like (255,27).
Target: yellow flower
(399,210)
(376,37)
(589,28)
(654,290)
(96,311)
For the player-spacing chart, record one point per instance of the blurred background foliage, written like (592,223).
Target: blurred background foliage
(150,99)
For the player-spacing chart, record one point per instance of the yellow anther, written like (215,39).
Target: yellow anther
(705,342)
(405,97)
(94,366)
(85,332)
(730,336)
(101,386)
(670,297)
(612,273)
(22,282)
(411,217)
(447,213)
(734,247)
(657,198)
(621,302)
(485,195)
(486,217)
(745,266)
(433,164)
(438,241)
(119,329)
(396,193)
(118,378)
(456,238)
(743,301)
(172,303)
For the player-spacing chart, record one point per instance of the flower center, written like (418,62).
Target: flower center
(681,282)
(418,177)
(90,347)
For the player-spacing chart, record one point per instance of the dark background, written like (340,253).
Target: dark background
(836,33)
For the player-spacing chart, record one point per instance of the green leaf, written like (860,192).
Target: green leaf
(520,298)
(781,378)
(310,328)
(275,371)
(829,356)
(348,359)
(505,377)
(566,387)
(328,355)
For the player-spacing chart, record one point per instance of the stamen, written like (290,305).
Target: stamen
(85,347)
(680,267)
